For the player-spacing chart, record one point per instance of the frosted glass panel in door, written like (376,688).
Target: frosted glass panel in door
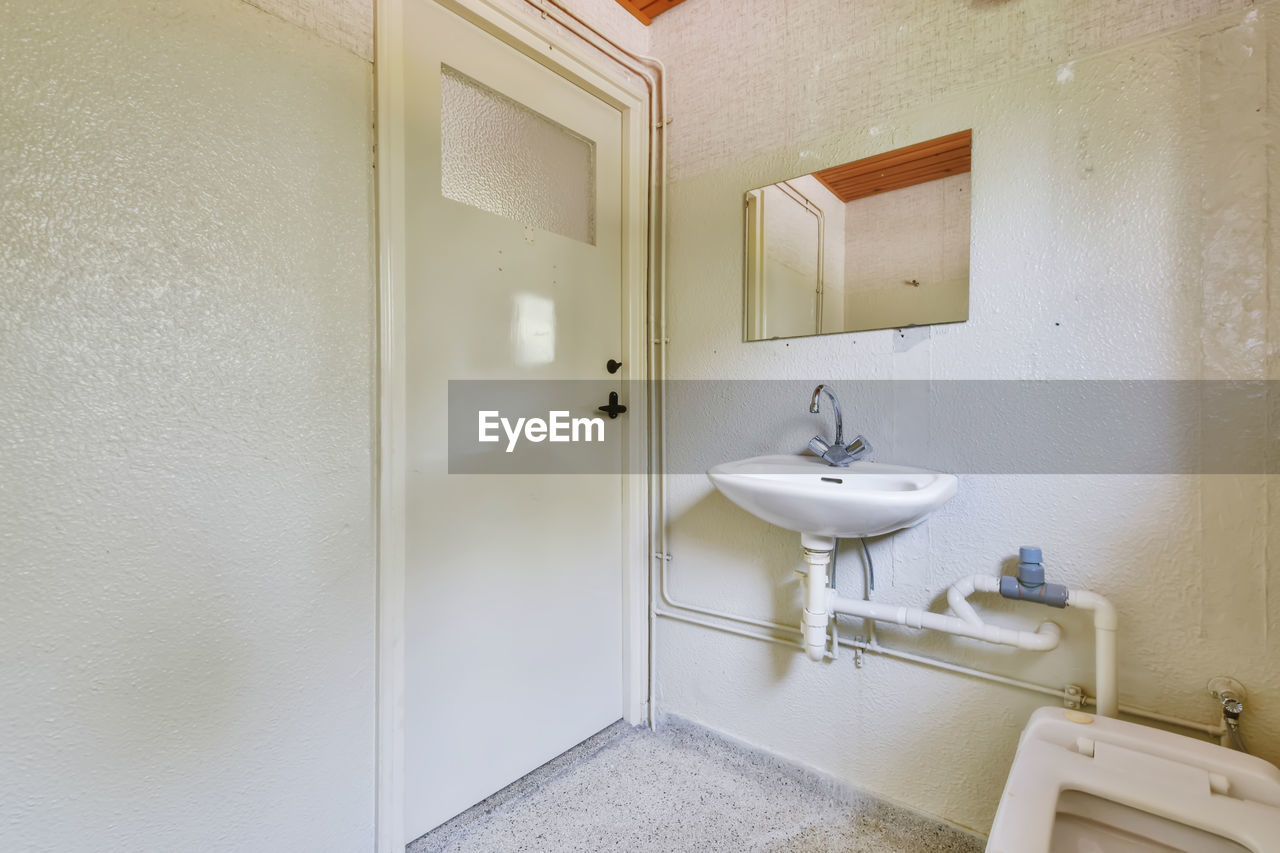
(506,159)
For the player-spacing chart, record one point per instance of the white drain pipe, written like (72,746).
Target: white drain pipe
(1042,639)
(821,601)
(817,604)
(1105,623)
(959,592)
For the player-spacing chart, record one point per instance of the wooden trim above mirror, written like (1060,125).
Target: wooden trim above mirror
(646,10)
(905,167)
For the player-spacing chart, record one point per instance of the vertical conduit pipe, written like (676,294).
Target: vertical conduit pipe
(1105,623)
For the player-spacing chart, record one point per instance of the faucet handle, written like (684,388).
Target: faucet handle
(819,446)
(859,447)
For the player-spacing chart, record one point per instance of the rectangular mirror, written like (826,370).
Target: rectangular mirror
(879,243)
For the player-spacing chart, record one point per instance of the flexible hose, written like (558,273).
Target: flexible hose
(871,567)
(1233,732)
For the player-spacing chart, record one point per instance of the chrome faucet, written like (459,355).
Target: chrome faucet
(836,452)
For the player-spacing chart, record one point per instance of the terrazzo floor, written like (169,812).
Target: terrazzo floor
(684,788)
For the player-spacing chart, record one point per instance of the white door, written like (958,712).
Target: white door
(514,583)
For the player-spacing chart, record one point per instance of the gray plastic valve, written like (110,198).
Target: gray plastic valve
(1028,584)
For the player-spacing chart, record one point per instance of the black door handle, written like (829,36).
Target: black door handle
(614,408)
(612,365)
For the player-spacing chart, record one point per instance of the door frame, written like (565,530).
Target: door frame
(577,62)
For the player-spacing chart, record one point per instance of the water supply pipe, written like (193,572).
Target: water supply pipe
(959,592)
(785,636)
(1105,623)
(1029,585)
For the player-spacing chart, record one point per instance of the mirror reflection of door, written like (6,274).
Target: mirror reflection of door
(787,292)
(878,243)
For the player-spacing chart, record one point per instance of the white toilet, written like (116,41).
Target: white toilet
(1086,784)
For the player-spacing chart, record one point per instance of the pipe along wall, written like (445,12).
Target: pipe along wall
(822,602)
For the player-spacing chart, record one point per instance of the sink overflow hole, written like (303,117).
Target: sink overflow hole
(832,480)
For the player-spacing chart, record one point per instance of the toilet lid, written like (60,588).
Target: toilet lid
(1181,780)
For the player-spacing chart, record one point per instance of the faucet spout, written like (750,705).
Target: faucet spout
(835,452)
(835,407)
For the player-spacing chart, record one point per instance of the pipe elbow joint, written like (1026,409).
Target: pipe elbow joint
(1105,617)
(958,601)
(1052,634)
(1044,638)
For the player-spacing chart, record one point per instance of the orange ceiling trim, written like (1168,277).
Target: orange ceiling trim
(653,8)
(905,167)
(635,11)
(928,170)
(646,10)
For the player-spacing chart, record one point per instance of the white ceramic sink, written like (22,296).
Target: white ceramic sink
(805,494)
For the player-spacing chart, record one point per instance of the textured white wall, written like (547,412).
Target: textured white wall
(348,23)
(758,77)
(1120,222)
(186,362)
